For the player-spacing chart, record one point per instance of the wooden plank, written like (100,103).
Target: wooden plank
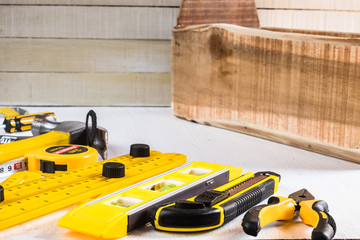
(312,20)
(79,55)
(335,5)
(87,22)
(296,89)
(162,3)
(238,12)
(85,89)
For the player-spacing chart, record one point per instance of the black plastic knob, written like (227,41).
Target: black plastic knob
(113,170)
(1,193)
(139,150)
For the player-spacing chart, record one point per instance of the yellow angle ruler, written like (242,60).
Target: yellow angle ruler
(116,214)
(36,198)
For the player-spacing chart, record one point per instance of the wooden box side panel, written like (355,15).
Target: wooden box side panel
(296,89)
(237,12)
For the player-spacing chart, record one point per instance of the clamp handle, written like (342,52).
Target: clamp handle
(316,214)
(277,208)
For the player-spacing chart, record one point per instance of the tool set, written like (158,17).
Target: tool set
(213,208)
(122,211)
(36,198)
(58,167)
(312,212)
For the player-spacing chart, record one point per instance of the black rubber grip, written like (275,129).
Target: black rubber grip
(326,228)
(247,200)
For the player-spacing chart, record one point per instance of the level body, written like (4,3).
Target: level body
(118,213)
(39,197)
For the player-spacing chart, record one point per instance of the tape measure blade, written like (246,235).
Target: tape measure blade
(23,207)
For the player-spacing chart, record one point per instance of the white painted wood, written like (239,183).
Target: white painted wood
(89,89)
(337,21)
(327,178)
(87,22)
(174,3)
(337,5)
(78,55)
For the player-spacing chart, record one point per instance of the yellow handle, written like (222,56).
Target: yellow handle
(315,213)
(278,208)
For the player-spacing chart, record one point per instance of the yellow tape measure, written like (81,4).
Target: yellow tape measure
(39,197)
(116,214)
(47,161)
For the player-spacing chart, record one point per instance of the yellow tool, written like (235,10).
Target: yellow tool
(56,133)
(39,197)
(47,161)
(213,208)
(120,212)
(12,112)
(312,212)
(22,122)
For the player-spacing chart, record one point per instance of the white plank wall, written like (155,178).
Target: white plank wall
(120,47)
(86,52)
(151,3)
(322,15)
(100,22)
(86,89)
(84,55)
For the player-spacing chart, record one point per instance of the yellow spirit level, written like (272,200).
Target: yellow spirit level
(120,212)
(39,197)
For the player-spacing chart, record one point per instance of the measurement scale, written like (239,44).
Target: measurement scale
(47,161)
(116,214)
(36,198)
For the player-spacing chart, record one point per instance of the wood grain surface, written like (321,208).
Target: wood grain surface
(151,3)
(332,5)
(99,22)
(292,88)
(323,20)
(84,55)
(86,52)
(238,12)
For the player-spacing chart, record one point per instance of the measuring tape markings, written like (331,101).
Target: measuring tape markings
(39,197)
(13,166)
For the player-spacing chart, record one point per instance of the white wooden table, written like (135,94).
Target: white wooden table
(330,179)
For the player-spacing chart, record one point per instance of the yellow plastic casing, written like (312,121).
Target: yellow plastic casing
(284,210)
(73,156)
(224,187)
(8,112)
(39,197)
(18,149)
(101,219)
(308,215)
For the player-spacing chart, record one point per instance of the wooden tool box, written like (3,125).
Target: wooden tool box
(298,86)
